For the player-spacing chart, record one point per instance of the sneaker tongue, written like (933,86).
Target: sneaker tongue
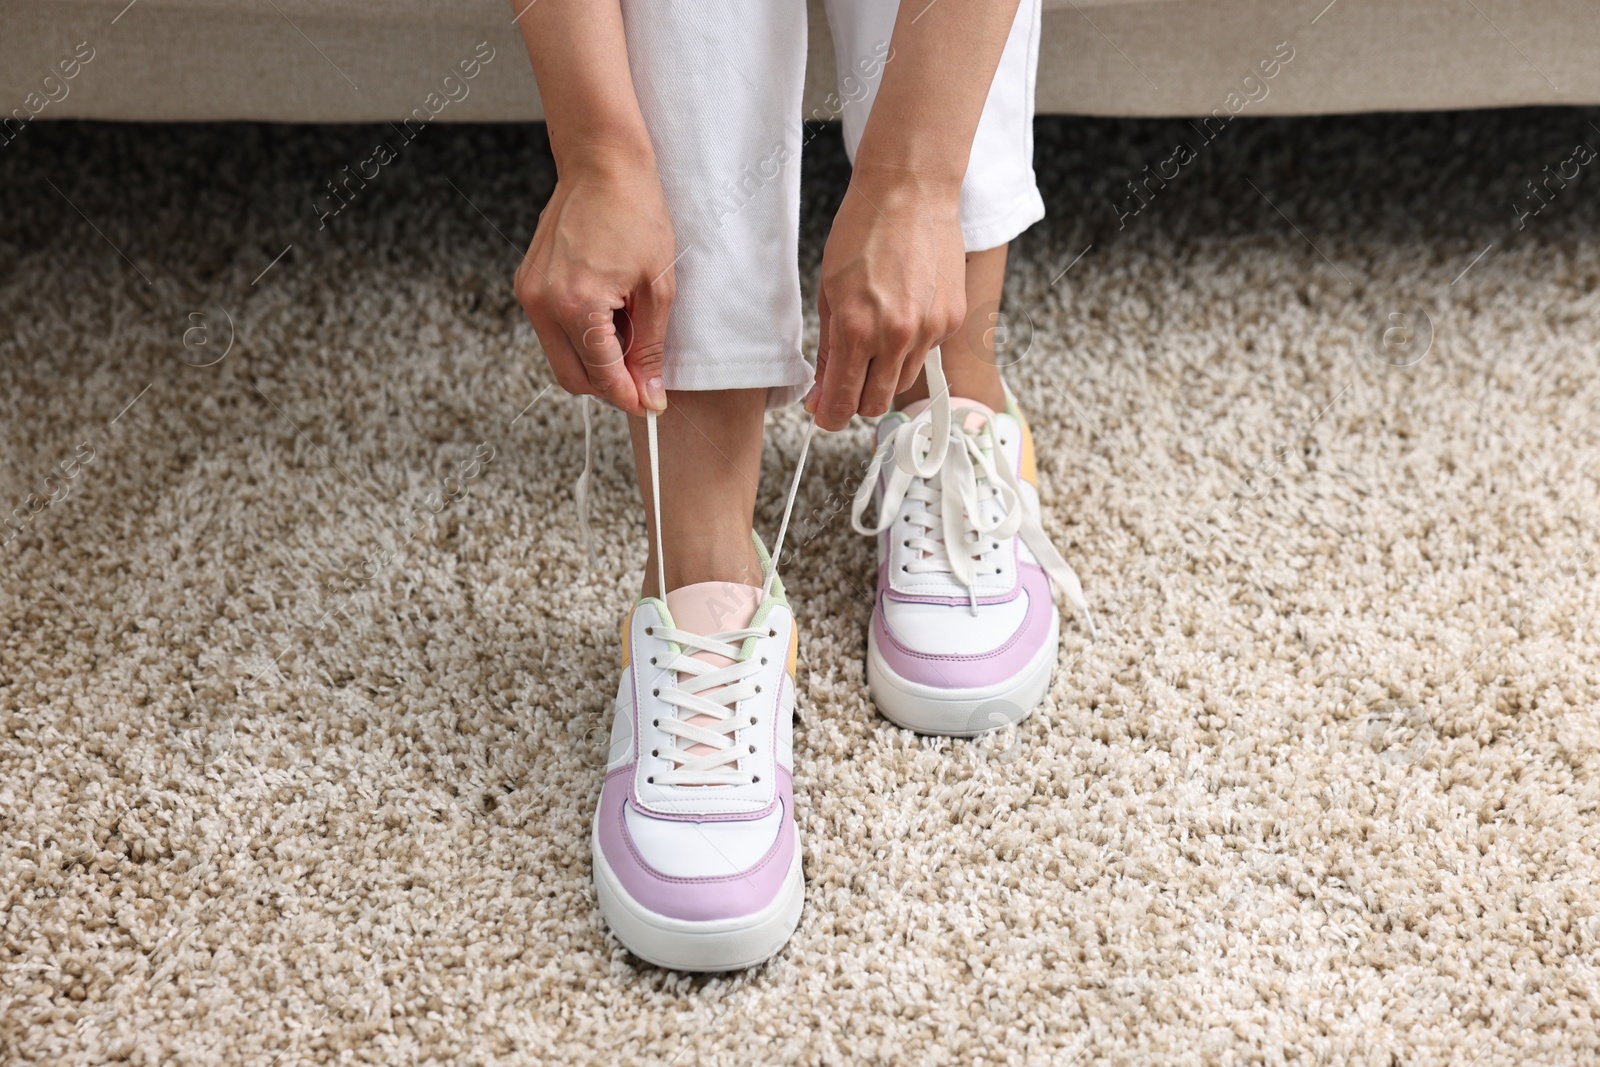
(707,608)
(975,418)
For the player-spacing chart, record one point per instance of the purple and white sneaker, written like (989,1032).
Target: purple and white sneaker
(965,629)
(696,852)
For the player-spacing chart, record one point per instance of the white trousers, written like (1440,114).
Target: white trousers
(719,82)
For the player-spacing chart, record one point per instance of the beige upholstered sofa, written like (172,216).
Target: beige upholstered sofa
(360,60)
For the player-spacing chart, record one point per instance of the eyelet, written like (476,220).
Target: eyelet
(652,661)
(656,723)
(997,570)
(758,689)
(651,630)
(655,692)
(752,720)
(651,780)
(656,752)
(906,543)
(754,778)
(752,748)
(763,661)
(905,568)
(772,633)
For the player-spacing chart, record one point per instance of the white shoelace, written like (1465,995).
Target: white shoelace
(951,472)
(705,696)
(706,715)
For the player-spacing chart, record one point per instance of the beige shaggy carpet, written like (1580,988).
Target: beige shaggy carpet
(304,683)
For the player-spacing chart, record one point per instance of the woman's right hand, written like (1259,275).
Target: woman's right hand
(597,282)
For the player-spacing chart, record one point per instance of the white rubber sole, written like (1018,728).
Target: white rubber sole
(686,945)
(961,712)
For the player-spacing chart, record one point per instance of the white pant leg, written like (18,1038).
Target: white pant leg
(999,195)
(719,83)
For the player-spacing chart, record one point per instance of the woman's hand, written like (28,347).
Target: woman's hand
(893,287)
(597,282)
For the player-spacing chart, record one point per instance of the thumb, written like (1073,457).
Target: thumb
(647,344)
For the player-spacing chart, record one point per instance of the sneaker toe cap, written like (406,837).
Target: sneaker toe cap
(944,646)
(703,870)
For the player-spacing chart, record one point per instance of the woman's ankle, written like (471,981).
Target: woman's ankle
(710,466)
(722,559)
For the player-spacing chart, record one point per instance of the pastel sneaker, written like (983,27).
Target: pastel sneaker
(696,852)
(965,630)
(696,855)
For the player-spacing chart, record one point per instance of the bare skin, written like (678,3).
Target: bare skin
(714,439)
(597,283)
(968,354)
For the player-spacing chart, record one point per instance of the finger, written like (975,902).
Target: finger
(592,333)
(558,351)
(646,345)
(824,316)
(839,395)
(911,370)
(564,362)
(943,322)
(883,379)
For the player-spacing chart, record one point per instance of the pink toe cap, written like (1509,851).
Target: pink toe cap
(957,671)
(702,899)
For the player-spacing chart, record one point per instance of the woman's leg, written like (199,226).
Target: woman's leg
(697,857)
(710,448)
(719,85)
(965,633)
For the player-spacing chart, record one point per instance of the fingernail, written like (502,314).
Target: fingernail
(810,402)
(655,394)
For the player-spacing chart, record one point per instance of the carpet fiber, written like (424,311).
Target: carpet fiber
(304,681)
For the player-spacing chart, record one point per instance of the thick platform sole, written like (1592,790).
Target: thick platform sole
(685,945)
(961,712)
